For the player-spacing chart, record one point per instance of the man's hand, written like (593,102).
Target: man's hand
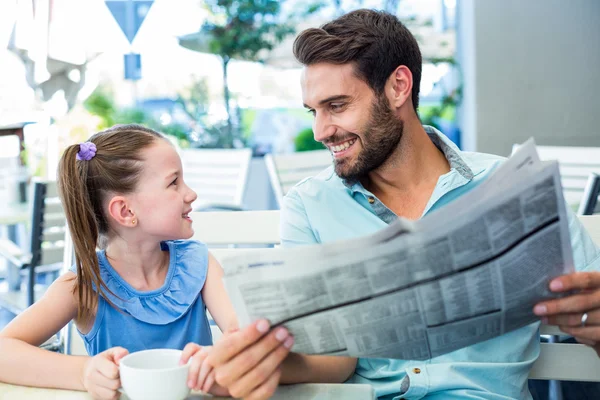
(201,376)
(247,362)
(568,312)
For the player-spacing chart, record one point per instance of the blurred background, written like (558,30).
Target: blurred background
(213,74)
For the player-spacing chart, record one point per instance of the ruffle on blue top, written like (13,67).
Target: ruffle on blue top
(183,284)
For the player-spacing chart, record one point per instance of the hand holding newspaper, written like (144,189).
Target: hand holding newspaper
(465,273)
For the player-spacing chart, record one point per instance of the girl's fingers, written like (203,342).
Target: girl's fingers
(205,369)
(210,380)
(188,351)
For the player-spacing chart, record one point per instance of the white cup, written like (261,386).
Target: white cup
(154,375)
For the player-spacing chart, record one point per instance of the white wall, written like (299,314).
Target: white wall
(531,68)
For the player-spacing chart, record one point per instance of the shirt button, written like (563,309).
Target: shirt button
(417,370)
(371,200)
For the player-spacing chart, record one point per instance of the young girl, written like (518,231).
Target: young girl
(146,288)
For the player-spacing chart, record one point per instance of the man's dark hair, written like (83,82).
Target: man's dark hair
(376,43)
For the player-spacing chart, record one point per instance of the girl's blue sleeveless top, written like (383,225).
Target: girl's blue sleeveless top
(169,317)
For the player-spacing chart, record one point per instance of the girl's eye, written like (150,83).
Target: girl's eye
(174,182)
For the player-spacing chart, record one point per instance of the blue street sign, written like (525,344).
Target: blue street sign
(133,66)
(129,14)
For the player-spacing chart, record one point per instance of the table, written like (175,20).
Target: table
(310,391)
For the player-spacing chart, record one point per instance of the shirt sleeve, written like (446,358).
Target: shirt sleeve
(295,226)
(586,255)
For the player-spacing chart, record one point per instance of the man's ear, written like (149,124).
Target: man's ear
(120,212)
(398,88)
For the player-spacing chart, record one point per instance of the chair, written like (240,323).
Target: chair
(218,176)
(285,170)
(46,248)
(589,200)
(576,163)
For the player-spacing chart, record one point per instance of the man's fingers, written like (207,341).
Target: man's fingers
(232,344)
(574,319)
(188,351)
(590,333)
(261,372)
(266,390)
(242,363)
(577,303)
(588,342)
(576,281)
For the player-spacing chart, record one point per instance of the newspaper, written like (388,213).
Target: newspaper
(465,273)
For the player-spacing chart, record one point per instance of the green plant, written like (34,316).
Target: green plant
(101,103)
(245,30)
(305,141)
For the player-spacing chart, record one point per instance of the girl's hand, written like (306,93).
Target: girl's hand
(101,374)
(201,376)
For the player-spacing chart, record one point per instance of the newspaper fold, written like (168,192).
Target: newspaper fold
(465,273)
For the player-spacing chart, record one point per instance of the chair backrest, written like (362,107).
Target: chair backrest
(48,224)
(258,229)
(589,200)
(285,170)
(576,164)
(218,176)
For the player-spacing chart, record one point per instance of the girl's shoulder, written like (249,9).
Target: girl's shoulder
(186,252)
(185,279)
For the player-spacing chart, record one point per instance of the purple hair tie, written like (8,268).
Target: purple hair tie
(87,151)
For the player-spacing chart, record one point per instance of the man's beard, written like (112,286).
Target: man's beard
(380,138)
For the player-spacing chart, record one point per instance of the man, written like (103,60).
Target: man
(361,83)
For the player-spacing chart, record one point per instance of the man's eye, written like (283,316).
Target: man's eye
(336,106)
(311,111)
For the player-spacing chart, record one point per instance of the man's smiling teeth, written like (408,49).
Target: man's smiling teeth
(343,146)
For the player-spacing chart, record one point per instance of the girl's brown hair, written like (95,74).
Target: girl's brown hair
(83,187)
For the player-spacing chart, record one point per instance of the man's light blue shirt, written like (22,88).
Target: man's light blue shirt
(324,208)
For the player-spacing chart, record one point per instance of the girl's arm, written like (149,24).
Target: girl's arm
(22,361)
(216,299)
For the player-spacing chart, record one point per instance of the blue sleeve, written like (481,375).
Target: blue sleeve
(295,226)
(586,255)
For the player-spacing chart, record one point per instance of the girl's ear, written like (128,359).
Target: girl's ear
(119,211)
